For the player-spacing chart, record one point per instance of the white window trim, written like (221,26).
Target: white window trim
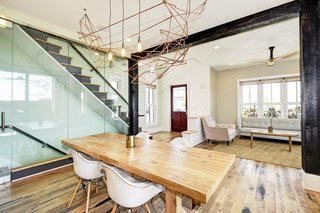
(155,98)
(239,93)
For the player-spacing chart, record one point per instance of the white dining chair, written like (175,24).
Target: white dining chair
(180,141)
(127,191)
(143,135)
(87,169)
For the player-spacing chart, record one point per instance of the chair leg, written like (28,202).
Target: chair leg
(114,208)
(97,185)
(88,196)
(75,192)
(147,208)
(104,180)
(228,143)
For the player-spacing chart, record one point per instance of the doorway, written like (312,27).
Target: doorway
(179,111)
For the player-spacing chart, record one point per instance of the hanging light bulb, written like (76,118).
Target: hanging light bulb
(110,55)
(123,51)
(139,46)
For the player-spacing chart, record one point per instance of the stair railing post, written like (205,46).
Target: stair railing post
(3,122)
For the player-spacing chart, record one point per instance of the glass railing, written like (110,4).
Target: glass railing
(86,86)
(49,92)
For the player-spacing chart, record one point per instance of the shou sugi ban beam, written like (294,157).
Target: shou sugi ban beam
(264,18)
(310,86)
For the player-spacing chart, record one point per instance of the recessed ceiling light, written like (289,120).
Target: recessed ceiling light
(128,39)
(140,64)
(151,69)
(96,53)
(216,47)
(231,64)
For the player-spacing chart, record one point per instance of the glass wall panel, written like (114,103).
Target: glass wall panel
(6,81)
(43,97)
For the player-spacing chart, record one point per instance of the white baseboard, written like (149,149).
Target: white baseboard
(152,130)
(310,181)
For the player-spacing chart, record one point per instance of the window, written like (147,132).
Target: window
(271,100)
(40,87)
(250,101)
(277,98)
(150,114)
(12,86)
(115,83)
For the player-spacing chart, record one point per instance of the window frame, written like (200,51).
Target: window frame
(154,104)
(283,95)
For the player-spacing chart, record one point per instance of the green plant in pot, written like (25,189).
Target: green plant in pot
(272,113)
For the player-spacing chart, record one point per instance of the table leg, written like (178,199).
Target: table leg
(290,143)
(251,141)
(195,203)
(173,202)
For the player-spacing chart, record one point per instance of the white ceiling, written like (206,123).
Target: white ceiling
(65,15)
(246,49)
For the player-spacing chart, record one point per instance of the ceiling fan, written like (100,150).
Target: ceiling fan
(272,61)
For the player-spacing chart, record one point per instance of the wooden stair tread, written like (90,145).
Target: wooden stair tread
(59,54)
(98,92)
(70,65)
(91,84)
(81,75)
(44,41)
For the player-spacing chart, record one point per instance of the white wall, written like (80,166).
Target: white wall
(213,76)
(197,77)
(227,85)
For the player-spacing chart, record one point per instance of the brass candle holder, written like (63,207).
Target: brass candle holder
(130,142)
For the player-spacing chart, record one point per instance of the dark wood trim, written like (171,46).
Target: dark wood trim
(261,19)
(171,100)
(310,85)
(32,170)
(133,105)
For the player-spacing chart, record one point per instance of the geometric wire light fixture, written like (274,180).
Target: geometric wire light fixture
(170,45)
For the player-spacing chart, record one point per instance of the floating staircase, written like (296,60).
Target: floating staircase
(66,61)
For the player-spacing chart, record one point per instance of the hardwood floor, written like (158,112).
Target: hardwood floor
(250,186)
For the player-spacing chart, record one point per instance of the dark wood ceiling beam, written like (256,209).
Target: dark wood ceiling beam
(261,19)
(310,85)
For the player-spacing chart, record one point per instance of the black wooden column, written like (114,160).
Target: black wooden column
(310,85)
(133,106)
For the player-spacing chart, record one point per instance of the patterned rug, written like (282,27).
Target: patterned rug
(264,151)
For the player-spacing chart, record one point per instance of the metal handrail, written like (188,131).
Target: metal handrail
(94,69)
(33,138)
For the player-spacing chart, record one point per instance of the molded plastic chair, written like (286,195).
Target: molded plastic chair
(128,192)
(180,141)
(143,135)
(86,169)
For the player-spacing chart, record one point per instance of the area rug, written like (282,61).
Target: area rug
(264,151)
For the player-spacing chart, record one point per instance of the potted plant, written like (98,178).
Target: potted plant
(272,113)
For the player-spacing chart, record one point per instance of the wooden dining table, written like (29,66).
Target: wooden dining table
(189,171)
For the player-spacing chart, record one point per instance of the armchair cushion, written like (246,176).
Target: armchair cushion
(210,121)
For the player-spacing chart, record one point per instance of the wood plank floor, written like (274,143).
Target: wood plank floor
(250,186)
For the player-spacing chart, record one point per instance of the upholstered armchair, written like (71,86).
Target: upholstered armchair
(218,132)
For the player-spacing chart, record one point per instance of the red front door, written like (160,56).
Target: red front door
(179,108)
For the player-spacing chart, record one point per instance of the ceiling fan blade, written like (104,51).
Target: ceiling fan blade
(258,61)
(288,55)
